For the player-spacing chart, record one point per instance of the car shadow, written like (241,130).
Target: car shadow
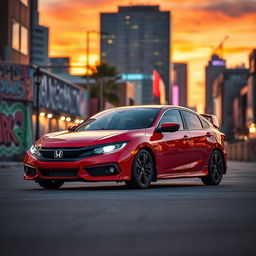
(123,187)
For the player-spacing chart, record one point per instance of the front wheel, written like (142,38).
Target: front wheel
(50,184)
(215,169)
(142,170)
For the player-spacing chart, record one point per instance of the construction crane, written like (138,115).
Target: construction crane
(219,49)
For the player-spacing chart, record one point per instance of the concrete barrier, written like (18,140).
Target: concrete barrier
(242,151)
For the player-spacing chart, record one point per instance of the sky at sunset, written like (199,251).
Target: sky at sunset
(197,26)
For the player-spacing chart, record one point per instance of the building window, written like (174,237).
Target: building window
(24,40)
(15,35)
(19,38)
(25,2)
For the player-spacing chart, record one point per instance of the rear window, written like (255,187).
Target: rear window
(192,120)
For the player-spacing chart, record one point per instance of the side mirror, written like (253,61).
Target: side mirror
(168,127)
(72,128)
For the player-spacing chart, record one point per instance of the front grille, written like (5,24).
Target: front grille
(68,153)
(59,172)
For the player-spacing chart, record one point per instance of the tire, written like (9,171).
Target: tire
(50,184)
(142,171)
(215,169)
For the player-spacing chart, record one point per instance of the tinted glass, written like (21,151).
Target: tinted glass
(192,120)
(123,119)
(172,116)
(205,123)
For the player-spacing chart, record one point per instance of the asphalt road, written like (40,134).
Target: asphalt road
(173,217)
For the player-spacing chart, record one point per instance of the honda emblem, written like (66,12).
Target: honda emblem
(58,154)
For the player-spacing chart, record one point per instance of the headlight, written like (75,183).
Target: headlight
(109,148)
(35,150)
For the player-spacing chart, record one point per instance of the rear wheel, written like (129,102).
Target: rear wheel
(215,169)
(50,184)
(142,170)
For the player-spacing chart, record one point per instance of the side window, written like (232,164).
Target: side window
(205,123)
(172,116)
(193,122)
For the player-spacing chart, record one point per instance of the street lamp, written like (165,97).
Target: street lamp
(37,80)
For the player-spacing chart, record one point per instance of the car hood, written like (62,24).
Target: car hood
(84,138)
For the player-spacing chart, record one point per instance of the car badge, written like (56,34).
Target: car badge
(58,154)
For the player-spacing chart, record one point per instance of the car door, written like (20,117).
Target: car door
(199,148)
(173,146)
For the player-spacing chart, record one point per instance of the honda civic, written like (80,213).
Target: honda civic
(136,145)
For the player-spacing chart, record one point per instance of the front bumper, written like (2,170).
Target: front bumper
(107,167)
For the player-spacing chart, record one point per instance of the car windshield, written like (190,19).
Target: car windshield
(121,119)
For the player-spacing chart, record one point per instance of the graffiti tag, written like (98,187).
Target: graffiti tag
(15,82)
(59,96)
(12,128)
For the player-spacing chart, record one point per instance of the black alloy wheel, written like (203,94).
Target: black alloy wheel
(142,170)
(50,184)
(215,169)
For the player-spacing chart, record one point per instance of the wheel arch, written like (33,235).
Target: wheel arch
(223,157)
(151,152)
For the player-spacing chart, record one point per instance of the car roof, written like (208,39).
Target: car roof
(155,106)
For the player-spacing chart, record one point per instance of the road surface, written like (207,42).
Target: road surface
(173,217)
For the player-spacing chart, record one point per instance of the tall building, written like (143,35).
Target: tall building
(15,31)
(59,65)
(39,38)
(251,95)
(179,84)
(226,88)
(136,39)
(215,66)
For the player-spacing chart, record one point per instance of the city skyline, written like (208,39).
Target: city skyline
(203,26)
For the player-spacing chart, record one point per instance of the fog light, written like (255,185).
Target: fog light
(111,170)
(103,170)
(30,170)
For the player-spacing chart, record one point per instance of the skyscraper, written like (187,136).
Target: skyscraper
(14,26)
(215,66)
(136,39)
(226,87)
(179,84)
(39,38)
(251,95)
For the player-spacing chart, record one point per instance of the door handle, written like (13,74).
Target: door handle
(208,134)
(186,138)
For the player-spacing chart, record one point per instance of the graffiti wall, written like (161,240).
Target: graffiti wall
(17,101)
(15,130)
(60,96)
(16,81)
(16,95)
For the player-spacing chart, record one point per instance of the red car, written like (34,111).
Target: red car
(135,145)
